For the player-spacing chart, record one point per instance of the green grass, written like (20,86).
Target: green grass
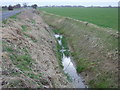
(64,43)
(14,16)
(24,28)
(33,21)
(68,77)
(34,76)
(105,17)
(23,62)
(7,49)
(102,82)
(59,54)
(82,64)
(4,21)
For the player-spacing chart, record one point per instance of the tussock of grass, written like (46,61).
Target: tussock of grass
(82,65)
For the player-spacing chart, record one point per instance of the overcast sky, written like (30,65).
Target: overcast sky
(62,2)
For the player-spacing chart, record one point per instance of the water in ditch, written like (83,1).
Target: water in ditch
(69,66)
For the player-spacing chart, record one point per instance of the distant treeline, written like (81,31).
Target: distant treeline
(83,6)
(11,7)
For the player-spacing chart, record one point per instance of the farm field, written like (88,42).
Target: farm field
(105,17)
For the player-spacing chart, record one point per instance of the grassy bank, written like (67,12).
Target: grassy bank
(105,17)
(94,49)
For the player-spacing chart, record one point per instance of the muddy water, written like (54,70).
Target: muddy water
(69,66)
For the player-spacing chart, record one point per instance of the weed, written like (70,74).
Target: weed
(24,62)
(4,21)
(100,84)
(24,28)
(7,48)
(65,45)
(68,77)
(82,65)
(59,54)
(33,21)
(80,68)
(16,73)
(34,76)
(56,31)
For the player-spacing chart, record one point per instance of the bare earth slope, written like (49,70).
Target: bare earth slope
(28,58)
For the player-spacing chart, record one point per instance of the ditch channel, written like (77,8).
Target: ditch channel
(69,67)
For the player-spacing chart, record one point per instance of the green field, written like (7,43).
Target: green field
(105,17)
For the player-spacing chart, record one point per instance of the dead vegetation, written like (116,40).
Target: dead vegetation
(28,55)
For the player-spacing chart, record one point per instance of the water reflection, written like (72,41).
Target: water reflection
(69,67)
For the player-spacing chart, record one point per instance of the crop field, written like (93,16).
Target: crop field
(105,17)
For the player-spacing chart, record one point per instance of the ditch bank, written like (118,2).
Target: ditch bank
(29,53)
(94,49)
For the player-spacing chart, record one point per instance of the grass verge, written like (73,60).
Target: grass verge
(14,16)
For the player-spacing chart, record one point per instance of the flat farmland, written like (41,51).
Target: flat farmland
(105,17)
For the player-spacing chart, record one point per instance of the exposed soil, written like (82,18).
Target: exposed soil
(29,40)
